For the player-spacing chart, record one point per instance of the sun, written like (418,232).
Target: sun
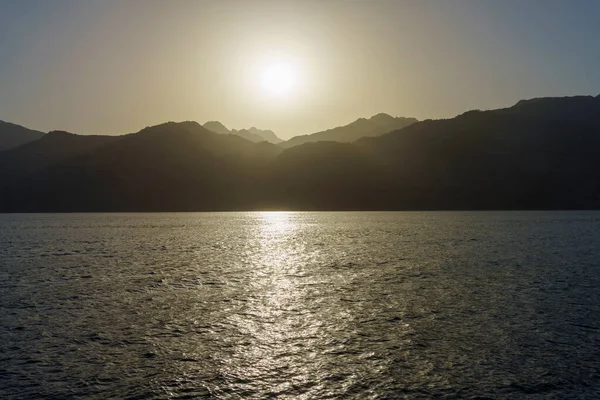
(279,79)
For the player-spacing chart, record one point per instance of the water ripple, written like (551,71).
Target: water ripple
(300,305)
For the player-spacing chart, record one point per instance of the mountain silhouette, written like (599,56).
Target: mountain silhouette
(538,154)
(170,166)
(12,135)
(362,127)
(267,135)
(253,134)
(217,127)
(51,149)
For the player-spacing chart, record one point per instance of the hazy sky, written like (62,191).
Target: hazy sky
(116,66)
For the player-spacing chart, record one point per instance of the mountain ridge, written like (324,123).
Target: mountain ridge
(13,135)
(362,127)
(252,134)
(538,155)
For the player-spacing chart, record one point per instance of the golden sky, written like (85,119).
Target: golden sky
(114,66)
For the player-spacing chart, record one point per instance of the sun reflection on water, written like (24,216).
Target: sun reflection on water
(292,327)
(279,319)
(276,222)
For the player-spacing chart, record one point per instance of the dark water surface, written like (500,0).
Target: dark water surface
(300,305)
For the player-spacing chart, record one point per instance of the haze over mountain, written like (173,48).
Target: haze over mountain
(12,135)
(362,127)
(253,134)
(538,154)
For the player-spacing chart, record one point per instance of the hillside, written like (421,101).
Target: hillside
(180,166)
(51,149)
(362,127)
(12,135)
(537,154)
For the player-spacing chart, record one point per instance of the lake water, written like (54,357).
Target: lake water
(300,305)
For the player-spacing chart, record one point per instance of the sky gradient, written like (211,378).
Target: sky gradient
(116,66)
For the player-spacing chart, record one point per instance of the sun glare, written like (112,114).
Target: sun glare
(279,79)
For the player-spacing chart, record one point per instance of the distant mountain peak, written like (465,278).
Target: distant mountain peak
(252,134)
(260,131)
(216,127)
(376,125)
(381,116)
(174,127)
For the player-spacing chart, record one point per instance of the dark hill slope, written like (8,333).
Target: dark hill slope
(52,148)
(12,135)
(174,166)
(536,154)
